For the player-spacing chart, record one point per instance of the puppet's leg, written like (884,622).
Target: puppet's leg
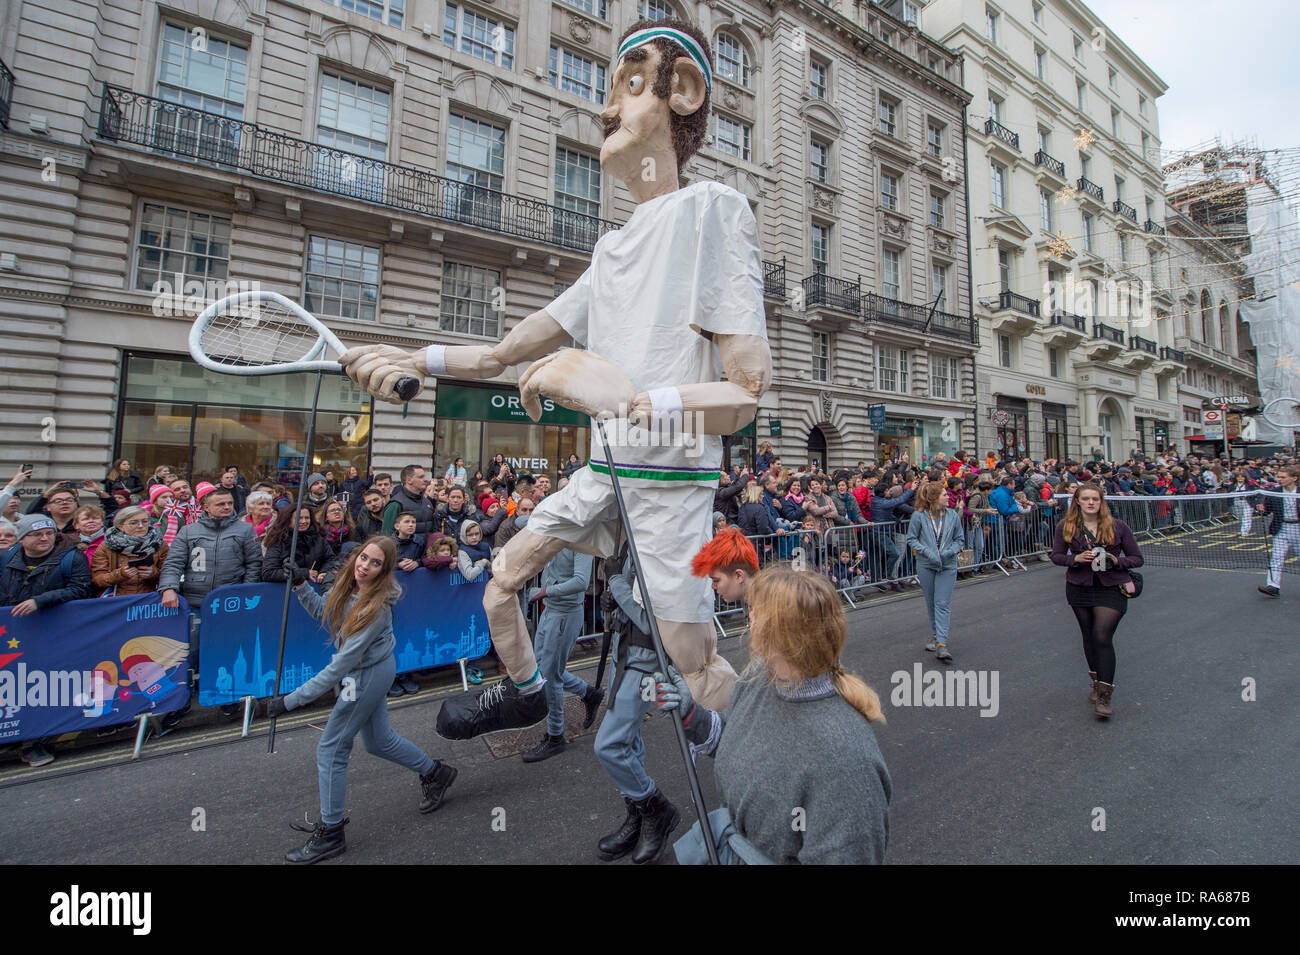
(693,648)
(520,560)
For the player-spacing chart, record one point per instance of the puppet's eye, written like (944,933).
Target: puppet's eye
(635,83)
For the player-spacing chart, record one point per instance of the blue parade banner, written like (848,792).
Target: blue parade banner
(438,620)
(87,664)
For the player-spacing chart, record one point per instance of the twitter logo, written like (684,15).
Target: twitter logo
(251,602)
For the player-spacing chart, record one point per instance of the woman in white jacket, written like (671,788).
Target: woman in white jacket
(935,536)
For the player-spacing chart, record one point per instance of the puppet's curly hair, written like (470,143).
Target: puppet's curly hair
(729,551)
(690,131)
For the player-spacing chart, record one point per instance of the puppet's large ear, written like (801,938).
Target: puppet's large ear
(688,87)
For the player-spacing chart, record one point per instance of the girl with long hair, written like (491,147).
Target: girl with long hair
(336,524)
(797,736)
(358,613)
(935,536)
(1098,550)
(311,556)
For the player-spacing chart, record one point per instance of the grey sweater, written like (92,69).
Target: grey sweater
(565,578)
(803,748)
(364,649)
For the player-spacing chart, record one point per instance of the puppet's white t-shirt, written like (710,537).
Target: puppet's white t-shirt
(685,263)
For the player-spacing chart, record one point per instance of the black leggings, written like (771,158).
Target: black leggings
(1097,624)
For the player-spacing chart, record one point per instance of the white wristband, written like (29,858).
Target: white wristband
(435,360)
(664,402)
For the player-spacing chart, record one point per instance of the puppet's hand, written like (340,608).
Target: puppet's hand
(580,380)
(378,368)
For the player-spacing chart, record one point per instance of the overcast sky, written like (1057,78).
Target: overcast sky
(1231,68)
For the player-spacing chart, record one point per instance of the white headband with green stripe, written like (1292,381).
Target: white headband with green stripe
(642,37)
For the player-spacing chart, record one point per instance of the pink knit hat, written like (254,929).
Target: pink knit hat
(203,490)
(156,491)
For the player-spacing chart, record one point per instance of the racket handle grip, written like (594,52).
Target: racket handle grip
(407,388)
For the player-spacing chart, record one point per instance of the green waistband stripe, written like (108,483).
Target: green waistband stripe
(650,474)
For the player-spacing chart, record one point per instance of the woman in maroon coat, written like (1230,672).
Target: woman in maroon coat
(1095,595)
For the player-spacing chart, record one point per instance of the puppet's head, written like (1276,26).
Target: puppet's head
(658,107)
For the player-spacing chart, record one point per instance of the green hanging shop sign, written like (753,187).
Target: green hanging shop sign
(499,404)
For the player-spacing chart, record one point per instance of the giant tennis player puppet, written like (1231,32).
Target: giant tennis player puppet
(670,302)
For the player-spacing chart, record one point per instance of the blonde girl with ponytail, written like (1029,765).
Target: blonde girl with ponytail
(796,741)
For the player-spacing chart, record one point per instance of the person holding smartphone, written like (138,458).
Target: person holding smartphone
(131,558)
(1093,582)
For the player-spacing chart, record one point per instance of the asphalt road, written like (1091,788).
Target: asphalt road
(1186,771)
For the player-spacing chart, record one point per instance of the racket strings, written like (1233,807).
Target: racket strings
(258,335)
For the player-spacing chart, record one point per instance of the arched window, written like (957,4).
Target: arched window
(1207,318)
(1225,327)
(731,59)
(656,10)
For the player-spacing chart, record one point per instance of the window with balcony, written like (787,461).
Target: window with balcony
(341,279)
(353,117)
(1004,351)
(818,160)
(1045,140)
(821,356)
(889,191)
(818,78)
(656,10)
(1054,362)
(991,24)
(476,156)
(998,183)
(995,107)
(375,10)
(939,284)
(938,202)
(1119,188)
(577,74)
(731,59)
(888,116)
(944,382)
(213,80)
(732,137)
(468,293)
(577,191)
(891,274)
(820,247)
(1004,270)
(175,242)
(934,138)
(1040,63)
(480,36)
(1151,210)
(1045,209)
(891,368)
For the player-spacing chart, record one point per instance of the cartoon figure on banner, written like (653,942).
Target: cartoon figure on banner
(674,356)
(150,663)
(103,691)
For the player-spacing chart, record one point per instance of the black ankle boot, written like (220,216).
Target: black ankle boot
(548,747)
(434,785)
(591,700)
(325,843)
(659,818)
(623,839)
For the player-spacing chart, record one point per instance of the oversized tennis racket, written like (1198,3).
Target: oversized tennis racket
(264,333)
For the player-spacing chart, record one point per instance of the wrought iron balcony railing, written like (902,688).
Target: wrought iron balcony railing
(1049,163)
(1154,229)
(1137,343)
(1021,303)
(825,291)
(1124,209)
(1069,320)
(774,279)
(1090,188)
(1107,333)
(891,311)
(6,94)
(1173,354)
(178,132)
(995,129)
